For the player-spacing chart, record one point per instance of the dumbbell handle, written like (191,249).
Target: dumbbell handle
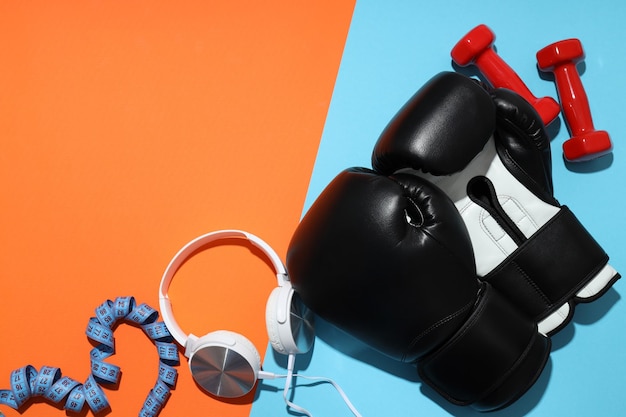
(500,74)
(574,102)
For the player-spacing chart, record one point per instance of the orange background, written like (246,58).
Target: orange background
(129,128)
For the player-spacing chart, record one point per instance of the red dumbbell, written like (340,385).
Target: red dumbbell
(477,47)
(586,142)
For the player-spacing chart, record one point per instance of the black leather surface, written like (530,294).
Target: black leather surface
(357,262)
(439,130)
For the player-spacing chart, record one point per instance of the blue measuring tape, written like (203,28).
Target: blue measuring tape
(48,383)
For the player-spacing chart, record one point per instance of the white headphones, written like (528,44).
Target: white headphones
(224,363)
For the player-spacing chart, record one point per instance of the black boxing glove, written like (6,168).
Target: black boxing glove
(388,259)
(490,153)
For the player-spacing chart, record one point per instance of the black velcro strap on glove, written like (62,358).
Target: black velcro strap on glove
(550,267)
(493,358)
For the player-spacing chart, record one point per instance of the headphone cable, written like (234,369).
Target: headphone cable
(290,375)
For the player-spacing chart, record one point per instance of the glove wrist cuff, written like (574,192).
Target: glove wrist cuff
(492,359)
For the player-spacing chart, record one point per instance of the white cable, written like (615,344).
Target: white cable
(290,375)
(337,387)
(290,366)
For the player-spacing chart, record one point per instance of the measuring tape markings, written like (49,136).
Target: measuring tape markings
(48,382)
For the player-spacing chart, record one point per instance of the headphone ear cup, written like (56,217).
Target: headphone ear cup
(289,322)
(224,363)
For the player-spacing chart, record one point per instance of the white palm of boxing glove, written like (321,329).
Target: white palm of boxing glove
(491,155)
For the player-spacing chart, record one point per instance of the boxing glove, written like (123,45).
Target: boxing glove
(489,151)
(389,261)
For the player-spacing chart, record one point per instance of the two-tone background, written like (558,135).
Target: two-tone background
(129,128)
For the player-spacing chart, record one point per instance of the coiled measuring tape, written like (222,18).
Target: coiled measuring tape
(48,382)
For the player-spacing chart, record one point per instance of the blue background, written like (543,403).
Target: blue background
(392,49)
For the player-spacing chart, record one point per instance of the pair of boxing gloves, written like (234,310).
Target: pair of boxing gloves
(452,252)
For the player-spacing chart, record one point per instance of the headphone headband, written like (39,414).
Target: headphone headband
(186,251)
